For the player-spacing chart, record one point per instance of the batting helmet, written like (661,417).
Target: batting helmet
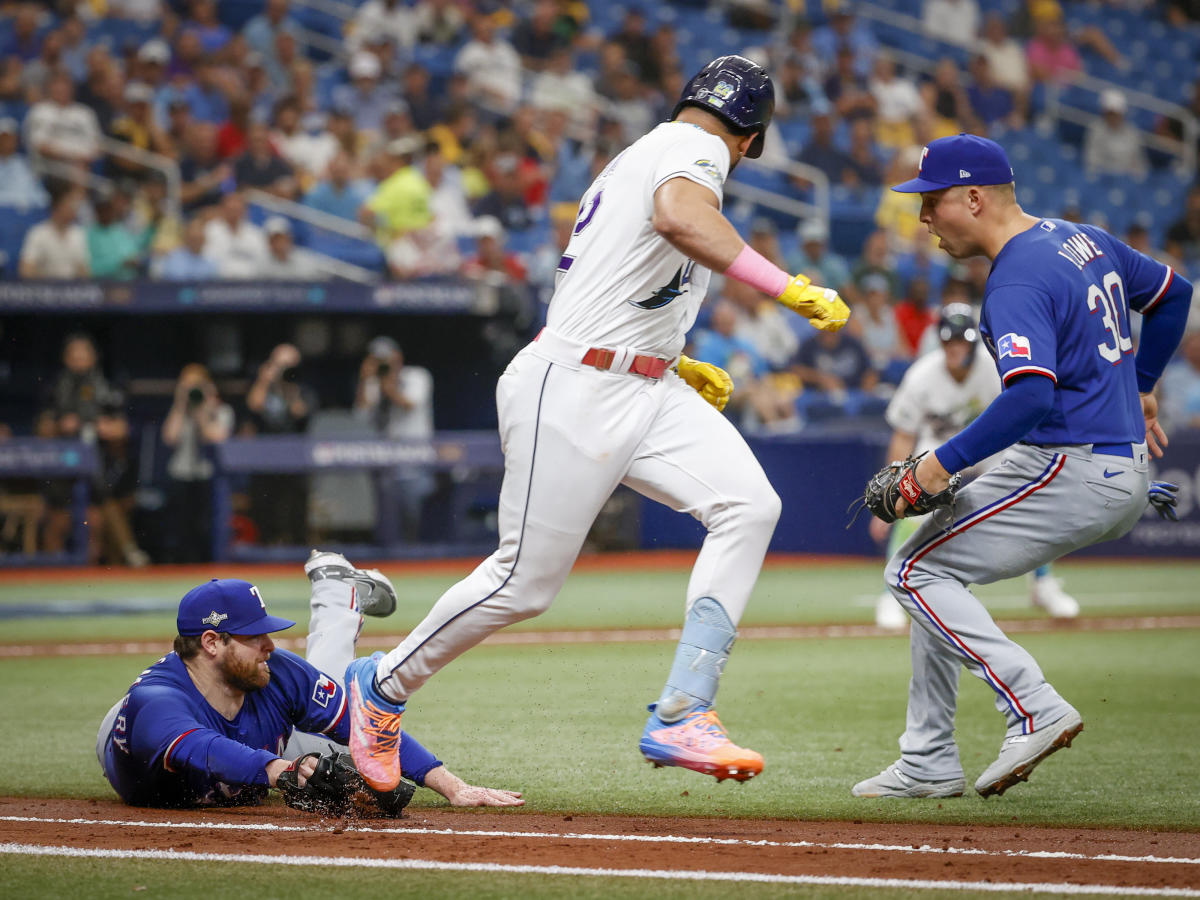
(737,91)
(957,323)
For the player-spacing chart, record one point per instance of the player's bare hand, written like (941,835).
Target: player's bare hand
(879,530)
(1156,438)
(931,475)
(823,308)
(472,795)
(303,767)
(710,381)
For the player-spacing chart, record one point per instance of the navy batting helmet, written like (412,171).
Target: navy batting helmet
(737,91)
(957,323)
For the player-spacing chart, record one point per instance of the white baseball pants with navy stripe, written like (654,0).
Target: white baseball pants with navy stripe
(1037,505)
(571,434)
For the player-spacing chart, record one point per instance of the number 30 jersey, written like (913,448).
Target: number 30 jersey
(1057,305)
(619,283)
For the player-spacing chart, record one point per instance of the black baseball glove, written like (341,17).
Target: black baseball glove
(335,786)
(898,479)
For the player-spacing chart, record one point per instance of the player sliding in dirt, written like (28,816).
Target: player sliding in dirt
(223,717)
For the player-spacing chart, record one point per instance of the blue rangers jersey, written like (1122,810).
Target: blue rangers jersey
(1057,304)
(170,747)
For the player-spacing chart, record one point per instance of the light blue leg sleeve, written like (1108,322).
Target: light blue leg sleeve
(703,650)
(1042,571)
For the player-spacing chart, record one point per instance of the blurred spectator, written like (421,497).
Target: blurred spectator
(865,169)
(506,201)
(816,260)
(138,128)
(1050,53)
(37,72)
(308,153)
(455,132)
(990,103)
(1112,146)
(365,98)
(913,315)
(632,37)
(491,261)
(188,262)
(85,407)
(205,177)
(823,153)
(835,362)
(1181,386)
(143,11)
(401,201)
(114,249)
(1005,55)
(560,86)
(492,66)
(896,101)
(537,37)
(75,46)
(284,261)
(448,202)
(798,80)
(875,324)
(847,89)
(151,63)
(1183,237)
(103,87)
(60,128)
(339,194)
(630,106)
(261,167)
(754,397)
(279,404)
(764,239)
(845,31)
(233,242)
(876,260)
(261,31)
(22,39)
(426,106)
(423,253)
(197,421)
(20,189)
(395,125)
(945,98)
(179,122)
(439,21)
(1181,13)
(203,93)
(57,247)
(953,21)
(394,19)
(231,135)
(397,400)
(203,23)
(763,322)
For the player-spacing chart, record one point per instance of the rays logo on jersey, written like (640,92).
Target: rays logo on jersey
(669,291)
(1014,345)
(709,168)
(324,690)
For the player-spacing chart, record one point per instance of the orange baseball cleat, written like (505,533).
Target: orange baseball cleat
(698,742)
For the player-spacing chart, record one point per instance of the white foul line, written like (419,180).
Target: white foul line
(639,838)
(663,874)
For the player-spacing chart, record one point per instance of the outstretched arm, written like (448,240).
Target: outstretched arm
(459,793)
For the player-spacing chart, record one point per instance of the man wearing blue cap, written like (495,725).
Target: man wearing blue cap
(223,716)
(1077,418)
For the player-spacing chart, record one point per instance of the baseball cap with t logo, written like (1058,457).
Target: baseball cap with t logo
(959,159)
(227,605)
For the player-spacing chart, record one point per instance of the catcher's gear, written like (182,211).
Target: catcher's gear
(709,381)
(898,479)
(335,787)
(1162,496)
(736,90)
(821,306)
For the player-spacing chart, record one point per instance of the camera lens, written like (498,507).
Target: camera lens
(195,396)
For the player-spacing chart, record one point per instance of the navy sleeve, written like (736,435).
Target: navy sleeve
(415,761)
(1021,320)
(1008,418)
(1162,331)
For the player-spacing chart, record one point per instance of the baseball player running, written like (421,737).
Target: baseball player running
(940,394)
(602,397)
(1056,320)
(222,717)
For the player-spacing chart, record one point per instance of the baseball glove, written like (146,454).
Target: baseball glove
(898,479)
(335,788)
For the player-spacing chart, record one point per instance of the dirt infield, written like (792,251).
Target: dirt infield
(1122,862)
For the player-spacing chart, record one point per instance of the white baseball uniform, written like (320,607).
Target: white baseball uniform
(571,432)
(932,405)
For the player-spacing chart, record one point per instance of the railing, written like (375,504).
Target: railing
(801,209)
(1056,107)
(164,164)
(316,218)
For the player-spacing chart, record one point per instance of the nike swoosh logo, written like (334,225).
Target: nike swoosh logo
(1108,474)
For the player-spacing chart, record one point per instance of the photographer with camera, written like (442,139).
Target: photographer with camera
(198,419)
(279,404)
(397,401)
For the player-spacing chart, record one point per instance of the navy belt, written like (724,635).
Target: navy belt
(1125,450)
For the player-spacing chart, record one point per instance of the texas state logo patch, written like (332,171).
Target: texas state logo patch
(1014,345)
(324,690)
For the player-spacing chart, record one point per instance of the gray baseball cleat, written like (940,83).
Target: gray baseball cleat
(891,782)
(1021,753)
(372,589)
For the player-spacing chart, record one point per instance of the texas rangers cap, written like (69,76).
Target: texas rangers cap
(959,159)
(227,605)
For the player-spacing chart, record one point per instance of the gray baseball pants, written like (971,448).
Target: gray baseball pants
(1040,503)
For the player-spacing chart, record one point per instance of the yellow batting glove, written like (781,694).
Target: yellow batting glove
(710,382)
(821,306)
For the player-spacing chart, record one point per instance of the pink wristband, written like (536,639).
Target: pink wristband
(752,268)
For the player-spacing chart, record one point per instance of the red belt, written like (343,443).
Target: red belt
(650,366)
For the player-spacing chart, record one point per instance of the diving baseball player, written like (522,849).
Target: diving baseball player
(602,397)
(1056,320)
(940,394)
(222,717)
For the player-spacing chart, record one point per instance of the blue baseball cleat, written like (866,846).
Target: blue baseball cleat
(698,742)
(374,726)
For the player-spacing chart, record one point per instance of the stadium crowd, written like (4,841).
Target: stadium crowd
(454,138)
